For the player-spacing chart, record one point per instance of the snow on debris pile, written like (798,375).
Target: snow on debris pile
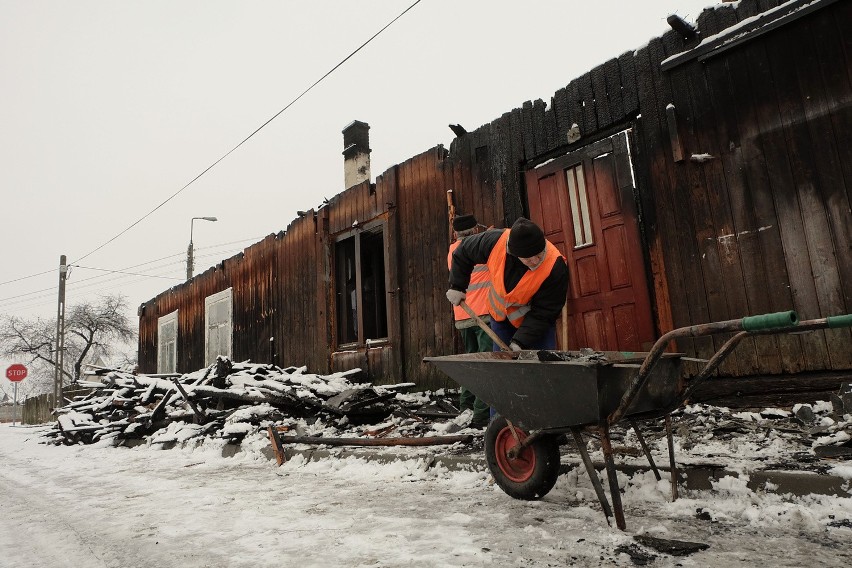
(807,438)
(231,400)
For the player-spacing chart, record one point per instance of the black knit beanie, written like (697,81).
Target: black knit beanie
(526,239)
(463,222)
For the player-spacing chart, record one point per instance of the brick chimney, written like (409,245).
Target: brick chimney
(356,153)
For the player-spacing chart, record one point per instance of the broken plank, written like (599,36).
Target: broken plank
(277,447)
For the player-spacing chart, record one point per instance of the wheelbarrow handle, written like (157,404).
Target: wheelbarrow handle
(485,327)
(839,321)
(779,322)
(770,321)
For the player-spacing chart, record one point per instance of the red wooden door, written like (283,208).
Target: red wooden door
(584,202)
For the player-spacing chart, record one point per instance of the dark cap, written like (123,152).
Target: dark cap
(526,239)
(463,222)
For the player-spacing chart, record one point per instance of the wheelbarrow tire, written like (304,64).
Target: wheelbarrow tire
(533,473)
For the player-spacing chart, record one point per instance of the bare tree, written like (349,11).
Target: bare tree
(92,329)
(31,342)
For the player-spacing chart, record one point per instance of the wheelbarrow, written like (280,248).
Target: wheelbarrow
(542,396)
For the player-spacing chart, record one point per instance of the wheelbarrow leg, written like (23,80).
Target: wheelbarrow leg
(672,463)
(645,449)
(606,446)
(593,474)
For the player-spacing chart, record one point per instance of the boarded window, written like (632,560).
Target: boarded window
(361,302)
(167,343)
(218,318)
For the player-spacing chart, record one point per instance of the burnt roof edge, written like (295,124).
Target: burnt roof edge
(747,30)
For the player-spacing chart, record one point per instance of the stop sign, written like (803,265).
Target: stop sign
(16,372)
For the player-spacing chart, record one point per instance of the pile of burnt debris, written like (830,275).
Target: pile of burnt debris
(806,437)
(230,400)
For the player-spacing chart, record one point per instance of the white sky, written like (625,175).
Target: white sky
(71,506)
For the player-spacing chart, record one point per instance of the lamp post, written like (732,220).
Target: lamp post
(190,260)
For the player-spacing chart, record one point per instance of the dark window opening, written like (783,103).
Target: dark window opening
(347,320)
(361,302)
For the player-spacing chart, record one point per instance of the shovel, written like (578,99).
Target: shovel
(485,327)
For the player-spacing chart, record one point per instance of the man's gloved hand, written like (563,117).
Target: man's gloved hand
(515,347)
(455,296)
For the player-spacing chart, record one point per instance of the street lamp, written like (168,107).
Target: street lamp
(190,260)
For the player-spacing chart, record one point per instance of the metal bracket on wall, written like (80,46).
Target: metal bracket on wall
(674,135)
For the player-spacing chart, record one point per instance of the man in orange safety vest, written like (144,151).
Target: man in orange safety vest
(529,282)
(473,337)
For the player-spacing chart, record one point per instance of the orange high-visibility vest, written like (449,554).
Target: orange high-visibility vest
(477,290)
(515,305)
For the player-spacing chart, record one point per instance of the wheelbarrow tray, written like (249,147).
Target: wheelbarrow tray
(579,391)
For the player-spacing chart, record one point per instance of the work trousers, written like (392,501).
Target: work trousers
(506,331)
(475,340)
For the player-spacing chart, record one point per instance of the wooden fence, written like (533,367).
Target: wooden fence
(37,410)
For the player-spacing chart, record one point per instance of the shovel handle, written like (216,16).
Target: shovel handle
(485,327)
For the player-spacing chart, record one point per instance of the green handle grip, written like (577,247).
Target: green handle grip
(770,321)
(839,321)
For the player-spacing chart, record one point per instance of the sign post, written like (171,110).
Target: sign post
(16,373)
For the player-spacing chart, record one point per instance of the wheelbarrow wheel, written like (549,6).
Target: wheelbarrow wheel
(529,476)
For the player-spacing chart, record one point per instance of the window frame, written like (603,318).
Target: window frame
(209,301)
(356,233)
(168,319)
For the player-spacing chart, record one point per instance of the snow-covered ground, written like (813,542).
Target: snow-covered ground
(190,507)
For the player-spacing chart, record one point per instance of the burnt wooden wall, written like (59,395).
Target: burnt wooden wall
(763,226)
(188,298)
(272,280)
(283,296)
(769,217)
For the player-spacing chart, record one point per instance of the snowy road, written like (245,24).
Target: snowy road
(89,506)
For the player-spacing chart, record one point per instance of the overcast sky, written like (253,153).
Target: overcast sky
(107,109)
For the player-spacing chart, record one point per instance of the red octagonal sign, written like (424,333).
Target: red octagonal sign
(16,372)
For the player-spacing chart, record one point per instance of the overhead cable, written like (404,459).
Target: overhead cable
(247,138)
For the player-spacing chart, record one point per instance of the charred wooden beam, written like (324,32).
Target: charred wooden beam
(160,410)
(427,441)
(198,414)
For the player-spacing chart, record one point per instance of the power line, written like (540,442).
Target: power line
(24,301)
(247,138)
(121,272)
(26,277)
(181,261)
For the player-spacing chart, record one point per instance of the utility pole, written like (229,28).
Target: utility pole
(190,260)
(60,334)
(190,253)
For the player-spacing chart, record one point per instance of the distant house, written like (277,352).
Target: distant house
(704,177)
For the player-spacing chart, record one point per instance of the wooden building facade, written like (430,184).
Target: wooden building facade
(705,176)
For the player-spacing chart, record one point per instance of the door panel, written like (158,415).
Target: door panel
(625,325)
(551,210)
(587,276)
(592,218)
(616,247)
(594,327)
(608,195)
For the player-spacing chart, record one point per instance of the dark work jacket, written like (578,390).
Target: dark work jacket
(546,304)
